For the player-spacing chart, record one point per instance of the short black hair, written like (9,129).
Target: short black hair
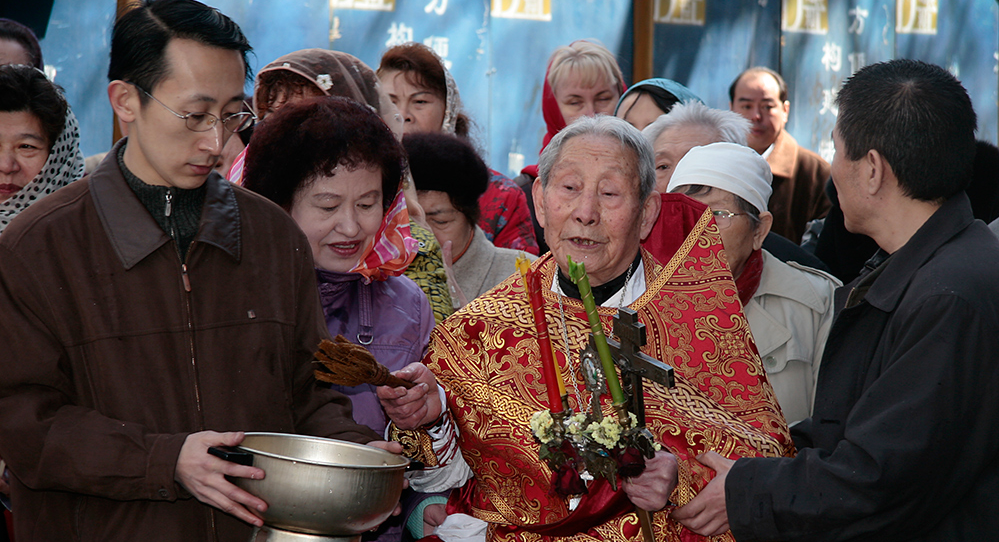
(140,38)
(24,88)
(303,140)
(918,117)
(449,164)
(781,84)
(15,31)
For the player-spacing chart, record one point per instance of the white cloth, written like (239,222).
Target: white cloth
(790,316)
(734,168)
(462,528)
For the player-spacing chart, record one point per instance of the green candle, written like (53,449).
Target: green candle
(577,272)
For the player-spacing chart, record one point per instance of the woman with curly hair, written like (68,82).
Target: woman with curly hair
(311,73)
(335,167)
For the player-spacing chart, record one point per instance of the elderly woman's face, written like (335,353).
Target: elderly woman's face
(340,214)
(673,143)
(738,233)
(447,223)
(591,210)
(24,148)
(575,100)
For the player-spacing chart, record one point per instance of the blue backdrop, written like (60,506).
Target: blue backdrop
(498,49)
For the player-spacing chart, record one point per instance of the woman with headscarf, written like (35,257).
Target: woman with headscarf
(39,140)
(645,101)
(582,79)
(426,94)
(313,73)
(336,169)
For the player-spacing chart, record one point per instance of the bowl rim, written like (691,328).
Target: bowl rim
(404,460)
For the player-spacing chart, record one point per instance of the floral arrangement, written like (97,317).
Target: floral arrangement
(582,446)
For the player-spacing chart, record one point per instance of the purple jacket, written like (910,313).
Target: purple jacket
(390,318)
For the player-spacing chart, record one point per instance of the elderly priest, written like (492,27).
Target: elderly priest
(595,199)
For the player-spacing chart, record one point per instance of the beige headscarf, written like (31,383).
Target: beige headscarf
(335,74)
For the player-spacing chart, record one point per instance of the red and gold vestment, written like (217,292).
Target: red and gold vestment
(486,357)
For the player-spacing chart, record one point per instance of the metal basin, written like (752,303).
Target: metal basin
(323,486)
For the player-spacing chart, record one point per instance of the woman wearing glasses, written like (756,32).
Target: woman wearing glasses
(788,305)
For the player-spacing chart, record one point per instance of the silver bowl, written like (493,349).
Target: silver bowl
(323,486)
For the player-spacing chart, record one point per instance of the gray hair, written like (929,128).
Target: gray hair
(609,127)
(729,127)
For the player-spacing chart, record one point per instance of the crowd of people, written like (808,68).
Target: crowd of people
(833,328)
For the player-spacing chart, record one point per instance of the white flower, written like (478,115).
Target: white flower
(541,425)
(324,81)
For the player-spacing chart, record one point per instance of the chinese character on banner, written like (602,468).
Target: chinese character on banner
(829,102)
(811,16)
(857,61)
(375,5)
(399,34)
(535,10)
(436,6)
(335,30)
(859,14)
(681,12)
(916,16)
(440,46)
(832,56)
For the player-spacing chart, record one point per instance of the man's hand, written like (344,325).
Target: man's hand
(417,406)
(204,476)
(651,489)
(392,447)
(706,514)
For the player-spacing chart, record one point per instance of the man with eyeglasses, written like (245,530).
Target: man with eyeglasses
(789,306)
(154,310)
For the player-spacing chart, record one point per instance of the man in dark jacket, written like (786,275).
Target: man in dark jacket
(153,304)
(903,442)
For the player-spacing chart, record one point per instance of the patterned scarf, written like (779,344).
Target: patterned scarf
(63,166)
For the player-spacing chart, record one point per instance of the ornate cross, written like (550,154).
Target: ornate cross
(633,363)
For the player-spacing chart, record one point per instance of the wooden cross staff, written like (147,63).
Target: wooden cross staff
(633,363)
(634,367)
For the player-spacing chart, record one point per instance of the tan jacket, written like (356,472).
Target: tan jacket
(483,265)
(799,183)
(790,316)
(112,354)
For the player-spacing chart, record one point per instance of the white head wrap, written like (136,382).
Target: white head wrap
(63,166)
(734,168)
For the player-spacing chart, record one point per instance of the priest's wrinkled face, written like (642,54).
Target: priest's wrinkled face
(591,208)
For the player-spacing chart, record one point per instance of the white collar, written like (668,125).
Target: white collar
(635,288)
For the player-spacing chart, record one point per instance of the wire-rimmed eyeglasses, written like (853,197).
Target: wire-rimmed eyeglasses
(203,122)
(723,217)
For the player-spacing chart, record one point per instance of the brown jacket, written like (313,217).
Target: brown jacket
(112,356)
(799,195)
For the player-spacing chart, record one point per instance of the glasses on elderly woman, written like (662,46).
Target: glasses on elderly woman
(723,217)
(203,122)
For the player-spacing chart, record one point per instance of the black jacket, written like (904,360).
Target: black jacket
(903,443)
